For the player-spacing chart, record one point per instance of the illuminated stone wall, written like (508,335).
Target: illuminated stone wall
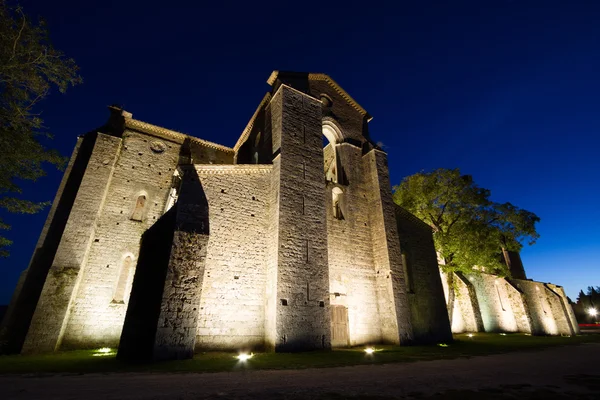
(48,323)
(486,303)
(78,307)
(232,306)
(245,247)
(96,317)
(350,251)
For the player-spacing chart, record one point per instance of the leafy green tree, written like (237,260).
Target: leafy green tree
(469,229)
(30,67)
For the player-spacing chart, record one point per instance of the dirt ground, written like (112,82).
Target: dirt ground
(571,372)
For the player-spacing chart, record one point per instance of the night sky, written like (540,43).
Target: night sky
(507,91)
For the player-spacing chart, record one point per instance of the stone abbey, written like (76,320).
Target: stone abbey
(163,244)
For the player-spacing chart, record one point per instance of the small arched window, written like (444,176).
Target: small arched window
(138,211)
(124,280)
(173,192)
(333,167)
(336,200)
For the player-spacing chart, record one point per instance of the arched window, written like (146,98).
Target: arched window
(336,200)
(173,192)
(333,167)
(138,211)
(124,281)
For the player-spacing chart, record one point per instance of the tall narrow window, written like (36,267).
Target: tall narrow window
(123,284)
(333,167)
(138,211)
(336,200)
(173,192)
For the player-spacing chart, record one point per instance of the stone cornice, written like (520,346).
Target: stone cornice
(333,84)
(168,134)
(250,125)
(221,169)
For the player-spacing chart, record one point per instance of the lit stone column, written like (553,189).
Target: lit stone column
(297,312)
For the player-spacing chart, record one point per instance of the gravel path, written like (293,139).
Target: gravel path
(541,369)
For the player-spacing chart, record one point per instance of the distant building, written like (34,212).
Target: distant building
(162,244)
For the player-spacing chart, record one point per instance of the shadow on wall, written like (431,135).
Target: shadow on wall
(165,258)
(143,310)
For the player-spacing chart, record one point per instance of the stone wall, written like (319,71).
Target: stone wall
(102,233)
(487,303)
(97,316)
(500,305)
(232,304)
(63,281)
(429,315)
(394,308)
(548,310)
(352,277)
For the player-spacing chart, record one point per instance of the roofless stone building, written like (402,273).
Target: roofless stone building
(161,243)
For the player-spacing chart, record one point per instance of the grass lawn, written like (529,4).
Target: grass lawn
(88,361)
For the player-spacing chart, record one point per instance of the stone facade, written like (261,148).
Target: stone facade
(162,244)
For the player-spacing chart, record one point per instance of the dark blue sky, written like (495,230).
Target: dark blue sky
(508,91)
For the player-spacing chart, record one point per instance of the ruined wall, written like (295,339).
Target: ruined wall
(429,315)
(546,306)
(500,305)
(231,310)
(463,307)
(487,303)
(350,250)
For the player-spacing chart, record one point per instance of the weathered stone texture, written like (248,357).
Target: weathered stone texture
(232,306)
(394,309)
(302,317)
(55,304)
(429,315)
(97,317)
(352,276)
(164,244)
(509,305)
